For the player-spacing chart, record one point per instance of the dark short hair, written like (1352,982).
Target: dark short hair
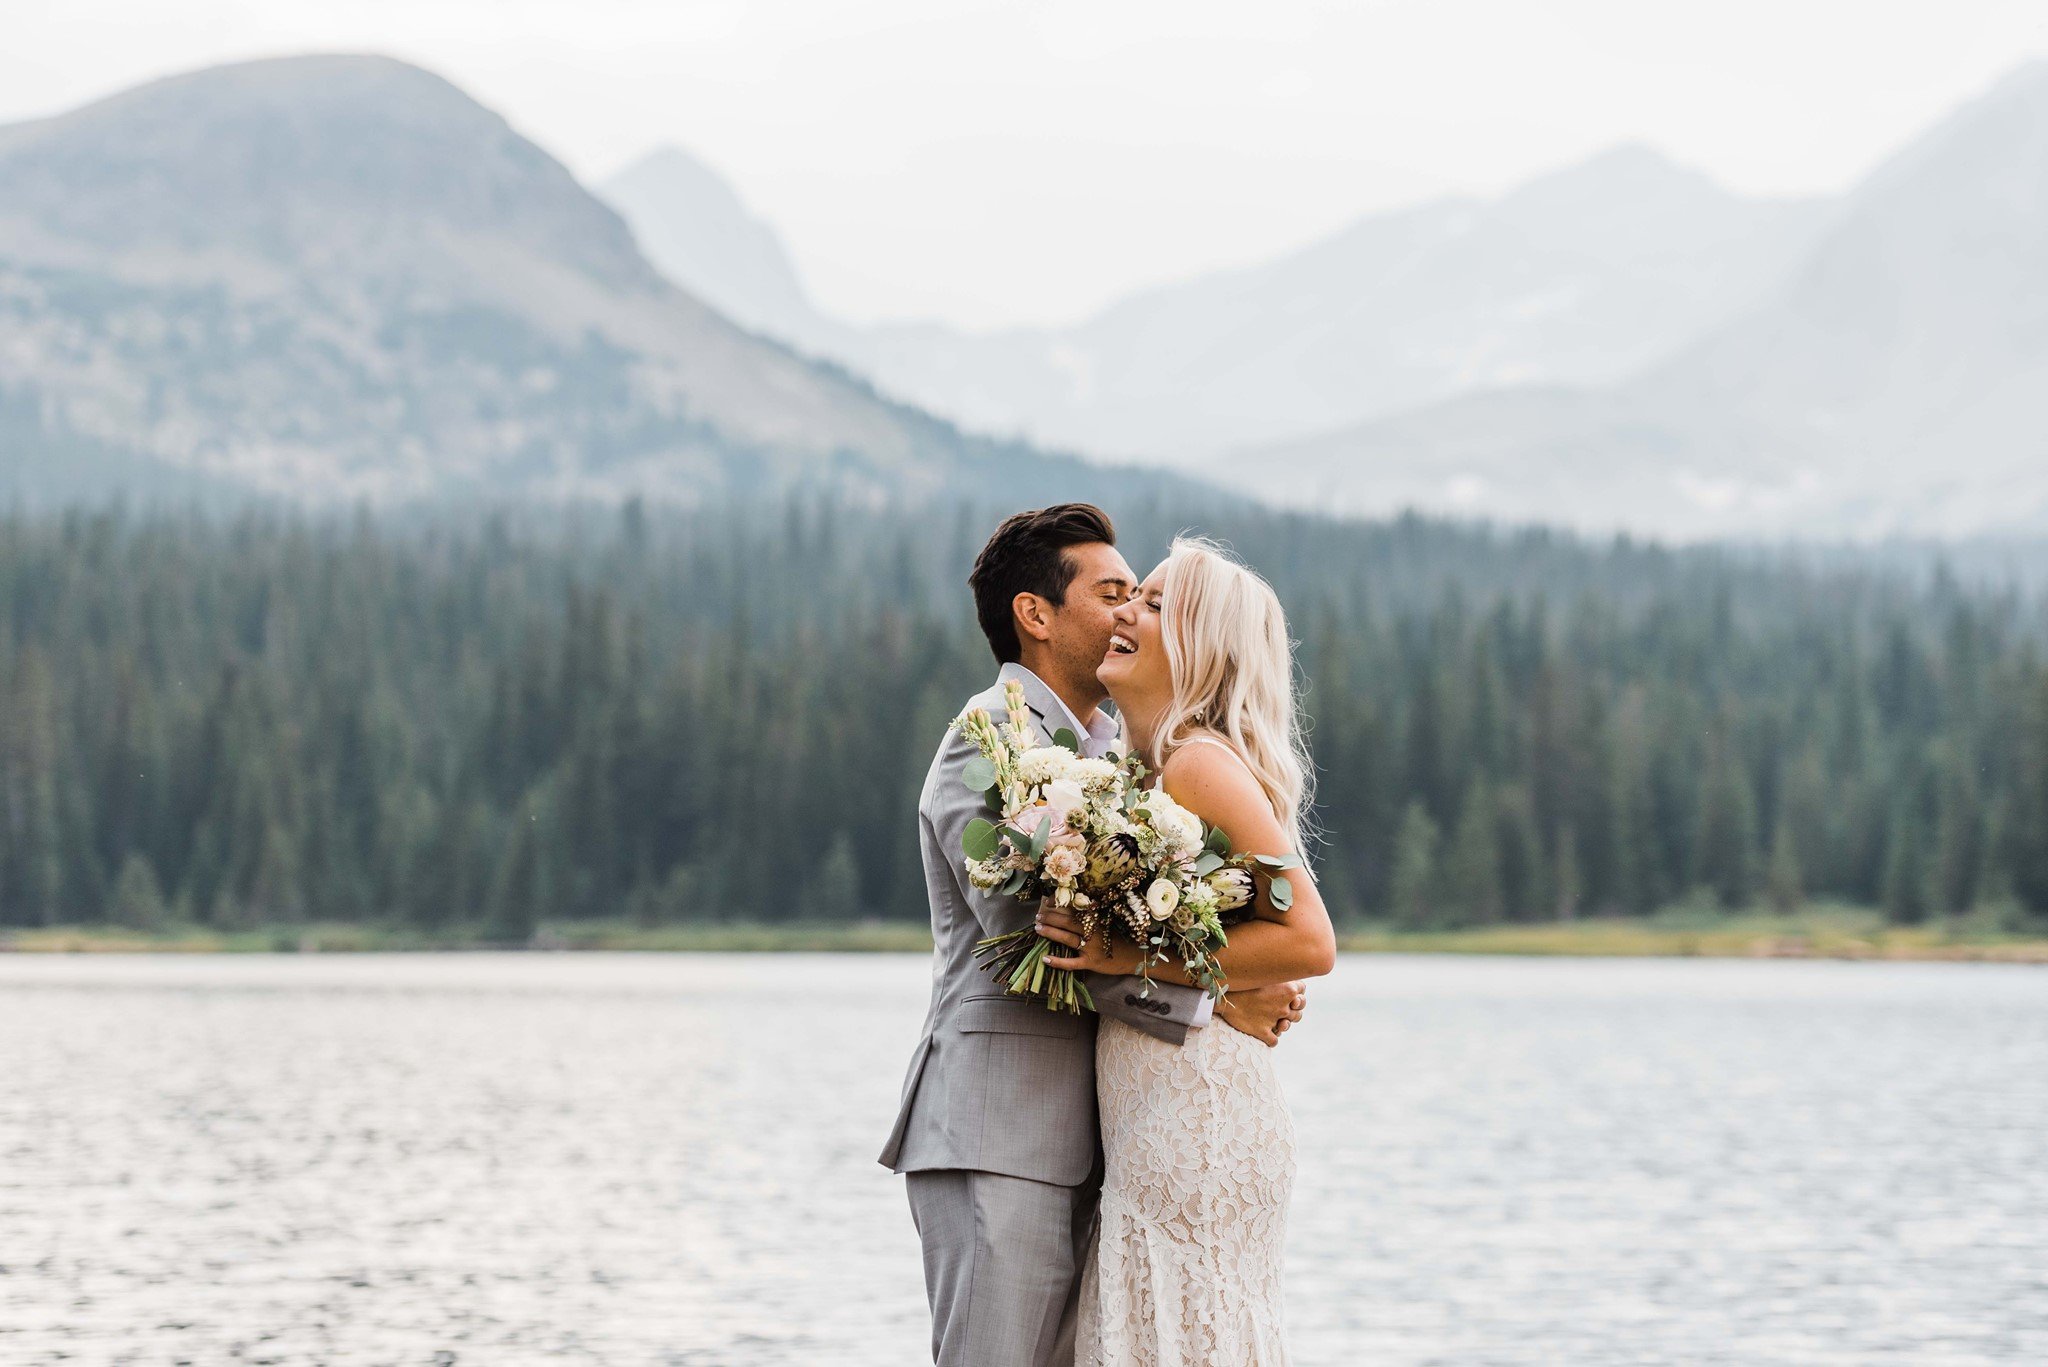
(1028,554)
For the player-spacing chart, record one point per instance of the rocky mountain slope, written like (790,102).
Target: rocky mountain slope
(341,276)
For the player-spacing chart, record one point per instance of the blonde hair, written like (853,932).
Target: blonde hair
(1232,664)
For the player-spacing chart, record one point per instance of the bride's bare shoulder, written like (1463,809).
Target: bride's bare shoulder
(1207,777)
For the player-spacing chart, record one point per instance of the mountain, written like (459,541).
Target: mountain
(341,276)
(1892,384)
(691,224)
(1580,277)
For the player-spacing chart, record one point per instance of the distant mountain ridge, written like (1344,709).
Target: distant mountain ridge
(1896,383)
(1581,277)
(340,276)
(703,238)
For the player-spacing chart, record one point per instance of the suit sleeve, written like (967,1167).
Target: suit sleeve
(1168,1012)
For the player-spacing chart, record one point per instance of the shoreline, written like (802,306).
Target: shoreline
(1819,933)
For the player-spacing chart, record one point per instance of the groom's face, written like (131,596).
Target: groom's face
(1081,625)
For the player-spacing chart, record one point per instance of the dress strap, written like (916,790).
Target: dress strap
(1225,746)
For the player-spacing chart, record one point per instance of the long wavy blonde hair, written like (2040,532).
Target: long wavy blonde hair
(1232,663)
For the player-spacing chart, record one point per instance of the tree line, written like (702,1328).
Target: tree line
(474,722)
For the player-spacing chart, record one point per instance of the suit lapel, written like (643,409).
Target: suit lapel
(1044,704)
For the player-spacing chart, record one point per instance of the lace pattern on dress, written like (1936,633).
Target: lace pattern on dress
(1198,1149)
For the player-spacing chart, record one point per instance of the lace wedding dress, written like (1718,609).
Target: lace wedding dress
(1198,1150)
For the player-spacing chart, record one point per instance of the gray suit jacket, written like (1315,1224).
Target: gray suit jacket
(998,1083)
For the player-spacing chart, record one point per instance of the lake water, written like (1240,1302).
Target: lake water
(669,1159)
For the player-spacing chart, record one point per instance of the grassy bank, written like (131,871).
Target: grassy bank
(1840,932)
(1823,932)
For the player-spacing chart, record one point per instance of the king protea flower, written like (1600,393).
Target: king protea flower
(1112,862)
(1233,886)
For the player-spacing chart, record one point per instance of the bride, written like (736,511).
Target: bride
(1198,1146)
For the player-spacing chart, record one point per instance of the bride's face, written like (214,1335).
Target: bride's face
(1135,669)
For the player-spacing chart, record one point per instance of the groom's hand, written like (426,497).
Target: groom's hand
(1264,1013)
(1099,955)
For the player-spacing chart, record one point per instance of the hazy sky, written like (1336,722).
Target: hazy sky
(994,162)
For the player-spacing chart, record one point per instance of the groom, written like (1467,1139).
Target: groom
(997,1128)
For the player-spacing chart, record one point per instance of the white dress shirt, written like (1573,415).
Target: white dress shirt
(1097,740)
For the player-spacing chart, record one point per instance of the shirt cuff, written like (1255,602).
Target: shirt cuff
(1204,1009)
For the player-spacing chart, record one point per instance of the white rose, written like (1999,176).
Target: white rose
(1161,898)
(1180,828)
(1064,796)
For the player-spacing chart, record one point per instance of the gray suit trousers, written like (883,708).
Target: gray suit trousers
(1002,1265)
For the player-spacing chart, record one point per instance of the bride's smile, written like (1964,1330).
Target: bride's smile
(1135,669)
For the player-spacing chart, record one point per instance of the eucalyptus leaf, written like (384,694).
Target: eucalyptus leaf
(1217,841)
(981,840)
(1207,863)
(1283,894)
(1016,883)
(979,774)
(1278,861)
(1044,834)
(1065,736)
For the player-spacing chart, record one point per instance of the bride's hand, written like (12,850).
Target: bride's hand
(1063,927)
(1264,1013)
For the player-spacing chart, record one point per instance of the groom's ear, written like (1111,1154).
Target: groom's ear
(1032,615)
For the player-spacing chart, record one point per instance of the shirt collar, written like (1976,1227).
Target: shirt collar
(1096,740)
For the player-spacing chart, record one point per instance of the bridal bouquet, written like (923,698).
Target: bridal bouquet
(1128,860)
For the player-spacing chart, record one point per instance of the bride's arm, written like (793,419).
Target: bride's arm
(1276,947)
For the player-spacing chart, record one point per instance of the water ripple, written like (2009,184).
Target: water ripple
(668,1159)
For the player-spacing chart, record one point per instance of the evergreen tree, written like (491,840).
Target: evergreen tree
(138,898)
(2026,820)
(35,816)
(1472,864)
(1958,832)
(835,890)
(1905,868)
(229,912)
(1783,887)
(1632,811)
(1426,771)
(1802,820)
(1570,887)
(525,889)
(680,899)
(1725,848)
(1525,874)
(1415,901)
(274,892)
(441,721)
